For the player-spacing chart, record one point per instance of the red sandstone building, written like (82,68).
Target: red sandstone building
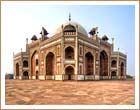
(70,54)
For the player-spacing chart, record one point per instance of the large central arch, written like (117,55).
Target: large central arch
(89,61)
(34,64)
(103,63)
(69,71)
(50,60)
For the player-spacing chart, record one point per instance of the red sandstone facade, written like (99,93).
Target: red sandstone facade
(70,54)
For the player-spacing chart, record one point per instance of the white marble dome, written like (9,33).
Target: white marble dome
(75,24)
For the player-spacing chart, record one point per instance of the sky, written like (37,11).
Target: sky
(21,21)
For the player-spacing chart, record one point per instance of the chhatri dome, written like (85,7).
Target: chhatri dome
(71,26)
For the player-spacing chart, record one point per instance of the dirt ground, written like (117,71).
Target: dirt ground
(48,92)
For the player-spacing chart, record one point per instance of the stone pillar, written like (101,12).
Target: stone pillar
(97,76)
(109,76)
(29,76)
(62,43)
(14,76)
(118,66)
(21,68)
(76,55)
(42,66)
(108,66)
(94,64)
(29,65)
(125,67)
(41,74)
(84,61)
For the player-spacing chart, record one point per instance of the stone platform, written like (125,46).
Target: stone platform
(48,92)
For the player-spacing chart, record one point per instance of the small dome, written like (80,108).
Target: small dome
(105,38)
(71,25)
(44,31)
(34,38)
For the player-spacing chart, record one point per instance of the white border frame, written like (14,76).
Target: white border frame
(136,106)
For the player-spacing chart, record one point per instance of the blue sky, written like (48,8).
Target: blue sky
(21,21)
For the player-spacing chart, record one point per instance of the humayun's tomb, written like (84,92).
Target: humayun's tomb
(70,54)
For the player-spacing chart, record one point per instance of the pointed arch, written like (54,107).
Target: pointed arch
(25,63)
(103,63)
(69,53)
(89,62)
(122,69)
(69,71)
(114,63)
(17,69)
(50,60)
(33,63)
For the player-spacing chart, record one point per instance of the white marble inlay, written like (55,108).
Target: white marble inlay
(69,39)
(51,43)
(87,43)
(58,59)
(36,56)
(42,62)
(69,61)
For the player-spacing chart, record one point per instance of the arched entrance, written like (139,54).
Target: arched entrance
(114,63)
(89,64)
(50,60)
(33,64)
(103,64)
(25,63)
(122,69)
(113,74)
(17,70)
(25,75)
(69,71)
(69,53)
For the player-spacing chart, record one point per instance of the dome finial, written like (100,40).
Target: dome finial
(69,17)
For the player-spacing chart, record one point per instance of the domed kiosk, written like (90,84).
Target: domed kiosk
(71,26)
(70,54)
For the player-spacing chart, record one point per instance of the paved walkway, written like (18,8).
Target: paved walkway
(32,92)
